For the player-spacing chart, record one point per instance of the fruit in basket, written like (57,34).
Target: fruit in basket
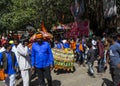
(63,58)
(60,63)
(65,50)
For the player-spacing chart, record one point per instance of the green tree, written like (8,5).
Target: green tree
(17,13)
(14,14)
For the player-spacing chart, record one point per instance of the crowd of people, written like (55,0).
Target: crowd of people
(105,50)
(16,55)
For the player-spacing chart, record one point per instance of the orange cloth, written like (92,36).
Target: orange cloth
(73,45)
(81,47)
(43,27)
(2,74)
(39,36)
(30,45)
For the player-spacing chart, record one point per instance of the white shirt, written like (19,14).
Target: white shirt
(22,56)
(2,49)
(14,49)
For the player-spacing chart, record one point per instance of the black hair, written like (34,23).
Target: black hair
(26,40)
(114,37)
(89,44)
(16,40)
(118,35)
(6,45)
(98,38)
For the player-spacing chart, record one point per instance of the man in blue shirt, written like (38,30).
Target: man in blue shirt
(42,60)
(9,64)
(114,57)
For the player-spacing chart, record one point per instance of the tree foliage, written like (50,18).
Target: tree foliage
(15,14)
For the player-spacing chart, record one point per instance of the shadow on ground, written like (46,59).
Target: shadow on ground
(106,82)
(56,83)
(61,71)
(35,82)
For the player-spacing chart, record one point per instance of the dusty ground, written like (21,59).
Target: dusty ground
(78,78)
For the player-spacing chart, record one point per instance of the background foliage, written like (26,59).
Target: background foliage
(17,14)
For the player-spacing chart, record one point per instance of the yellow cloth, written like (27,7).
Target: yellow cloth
(66,50)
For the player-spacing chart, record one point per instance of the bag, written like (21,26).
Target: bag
(2,75)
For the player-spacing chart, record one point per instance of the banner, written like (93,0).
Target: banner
(78,29)
(110,8)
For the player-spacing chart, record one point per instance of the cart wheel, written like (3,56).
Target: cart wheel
(73,69)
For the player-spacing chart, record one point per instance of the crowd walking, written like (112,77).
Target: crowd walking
(17,57)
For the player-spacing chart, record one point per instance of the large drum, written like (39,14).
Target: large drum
(63,59)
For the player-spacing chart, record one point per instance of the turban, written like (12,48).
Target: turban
(39,36)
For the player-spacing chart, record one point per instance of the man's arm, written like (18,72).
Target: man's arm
(15,59)
(118,50)
(51,59)
(0,58)
(107,58)
(22,50)
(33,57)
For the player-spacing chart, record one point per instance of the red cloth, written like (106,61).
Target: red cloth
(100,49)
(78,29)
(3,41)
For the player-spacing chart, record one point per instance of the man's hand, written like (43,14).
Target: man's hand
(118,66)
(51,67)
(106,65)
(99,58)
(6,75)
(16,68)
(32,69)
